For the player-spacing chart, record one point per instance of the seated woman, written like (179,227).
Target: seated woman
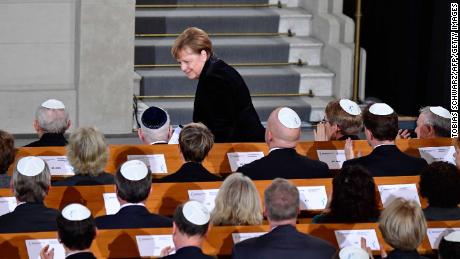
(341,121)
(7,154)
(439,183)
(195,141)
(403,227)
(353,198)
(88,153)
(237,202)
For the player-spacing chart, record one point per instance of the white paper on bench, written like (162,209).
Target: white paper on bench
(353,238)
(35,245)
(175,136)
(151,245)
(206,197)
(333,158)
(237,159)
(112,205)
(59,165)
(312,197)
(435,235)
(238,237)
(388,193)
(433,154)
(7,204)
(157,162)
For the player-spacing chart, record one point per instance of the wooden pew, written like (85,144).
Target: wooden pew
(121,243)
(217,161)
(165,197)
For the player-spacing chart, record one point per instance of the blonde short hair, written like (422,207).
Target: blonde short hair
(87,151)
(193,38)
(403,224)
(349,124)
(237,202)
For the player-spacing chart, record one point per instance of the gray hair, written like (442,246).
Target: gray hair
(281,200)
(440,124)
(52,120)
(160,134)
(31,188)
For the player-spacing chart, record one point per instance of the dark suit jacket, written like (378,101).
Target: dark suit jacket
(388,160)
(224,105)
(189,252)
(5,180)
(29,217)
(134,216)
(399,254)
(83,255)
(78,179)
(49,140)
(285,163)
(352,137)
(437,213)
(191,172)
(283,242)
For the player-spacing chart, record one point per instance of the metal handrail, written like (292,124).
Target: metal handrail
(310,94)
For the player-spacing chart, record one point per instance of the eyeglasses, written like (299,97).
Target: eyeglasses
(324,120)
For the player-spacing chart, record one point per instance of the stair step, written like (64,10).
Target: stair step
(181,109)
(172,2)
(232,50)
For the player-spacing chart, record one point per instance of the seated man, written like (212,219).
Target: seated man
(190,227)
(31,183)
(51,122)
(154,126)
(281,135)
(283,241)
(133,183)
(381,129)
(7,154)
(195,141)
(433,122)
(76,232)
(449,247)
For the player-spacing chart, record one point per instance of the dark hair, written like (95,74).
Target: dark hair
(186,226)
(440,184)
(195,141)
(448,249)
(76,235)
(353,196)
(383,127)
(7,151)
(133,191)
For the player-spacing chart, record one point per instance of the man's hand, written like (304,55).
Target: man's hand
(320,132)
(403,134)
(166,251)
(47,254)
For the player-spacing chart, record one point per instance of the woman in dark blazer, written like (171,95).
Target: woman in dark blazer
(222,99)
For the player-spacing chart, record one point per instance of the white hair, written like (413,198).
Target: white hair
(52,120)
(440,124)
(160,134)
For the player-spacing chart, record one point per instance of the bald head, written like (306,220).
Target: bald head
(278,134)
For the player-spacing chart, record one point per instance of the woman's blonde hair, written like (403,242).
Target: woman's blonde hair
(349,124)
(237,202)
(87,151)
(403,224)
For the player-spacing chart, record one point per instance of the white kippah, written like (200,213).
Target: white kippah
(289,118)
(350,107)
(196,213)
(353,252)
(381,109)
(440,111)
(30,166)
(76,212)
(134,170)
(453,237)
(53,104)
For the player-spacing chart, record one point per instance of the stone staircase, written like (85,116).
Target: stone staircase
(272,48)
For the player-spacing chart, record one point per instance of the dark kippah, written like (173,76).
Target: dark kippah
(154,118)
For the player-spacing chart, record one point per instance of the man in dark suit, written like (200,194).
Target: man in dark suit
(195,141)
(281,136)
(222,99)
(283,241)
(381,129)
(76,231)
(51,122)
(190,227)
(31,182)
(133,183)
